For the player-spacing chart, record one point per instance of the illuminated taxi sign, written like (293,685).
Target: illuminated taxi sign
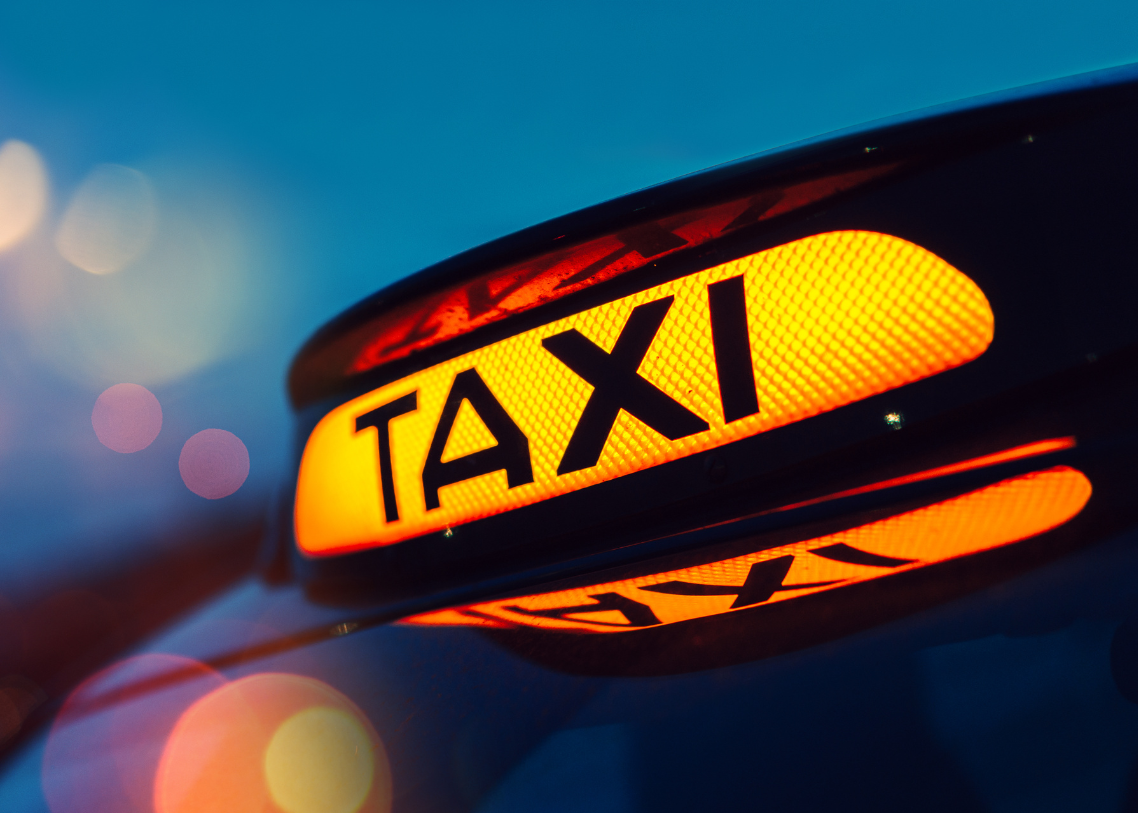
(996,515)
(674,370)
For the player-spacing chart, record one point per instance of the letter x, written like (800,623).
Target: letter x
(617,386)
(763,580)
(638,615)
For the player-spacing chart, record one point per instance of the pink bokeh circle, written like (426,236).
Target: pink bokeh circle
(104,747)
(127,418)
(214,463)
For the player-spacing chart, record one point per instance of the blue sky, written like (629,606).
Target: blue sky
(360,141)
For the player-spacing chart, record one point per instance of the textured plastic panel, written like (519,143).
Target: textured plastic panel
(680,368)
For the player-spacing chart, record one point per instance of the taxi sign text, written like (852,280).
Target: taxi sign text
(719,355)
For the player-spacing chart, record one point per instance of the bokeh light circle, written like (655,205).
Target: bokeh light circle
(127,418)
(23,191)
(109,222)
(214,463)
(319,761)
(273,742)
(105,744)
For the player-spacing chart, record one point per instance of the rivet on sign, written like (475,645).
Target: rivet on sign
(894,420)
(716,469)
(345,628)
(448,533)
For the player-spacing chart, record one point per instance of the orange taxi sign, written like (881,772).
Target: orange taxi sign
(680,368)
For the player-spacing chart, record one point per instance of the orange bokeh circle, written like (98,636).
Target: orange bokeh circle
(219,757)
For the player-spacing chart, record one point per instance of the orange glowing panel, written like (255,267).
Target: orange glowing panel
(719,355)
(273,743)
(999,514)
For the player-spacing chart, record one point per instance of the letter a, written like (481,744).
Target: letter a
(511,453)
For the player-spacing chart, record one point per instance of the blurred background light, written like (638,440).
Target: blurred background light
(110,220)
(102,757)
(127,418)
(23,191)
(231,750)
(185,294)
(214,463)
(319,760)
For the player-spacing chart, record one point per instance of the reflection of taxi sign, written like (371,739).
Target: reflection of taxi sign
(999,514)
(680,368)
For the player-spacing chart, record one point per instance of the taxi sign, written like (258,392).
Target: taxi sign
(679,368)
